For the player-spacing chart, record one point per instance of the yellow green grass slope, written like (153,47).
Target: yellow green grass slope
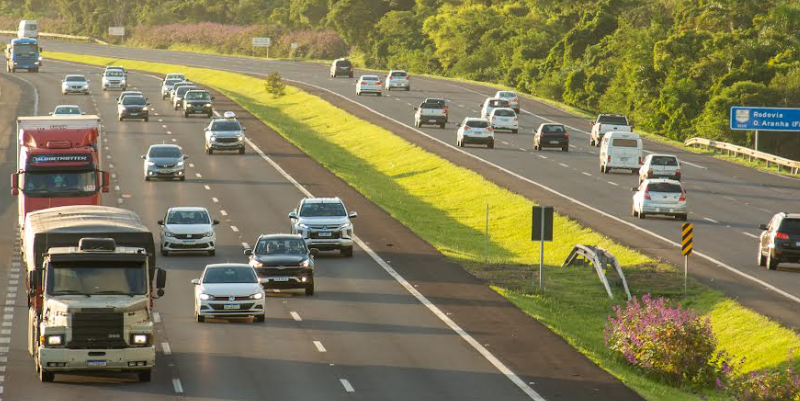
(445,204)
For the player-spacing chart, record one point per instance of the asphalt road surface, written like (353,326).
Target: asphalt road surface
(727,201)
(364,335)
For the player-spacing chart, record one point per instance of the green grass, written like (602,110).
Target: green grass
(445,205)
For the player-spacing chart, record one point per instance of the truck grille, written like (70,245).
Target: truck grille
(99,328)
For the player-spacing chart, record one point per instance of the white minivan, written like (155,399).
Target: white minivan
(28,29)
(621,150)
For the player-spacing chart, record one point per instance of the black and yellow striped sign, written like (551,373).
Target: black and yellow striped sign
(686,239)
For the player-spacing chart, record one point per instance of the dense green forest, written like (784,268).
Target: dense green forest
(674,66)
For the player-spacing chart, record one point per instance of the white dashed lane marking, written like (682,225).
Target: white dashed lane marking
(215,200)
(586,174)
(166,348)
(711,220)
(750,235)
(563,165)
(613,183)
(207,187)
(347,386)
(295,316)
(235,229)
(222,212)
(320,347)
(176,384)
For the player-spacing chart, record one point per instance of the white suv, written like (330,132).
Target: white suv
(188,229)
(324,224)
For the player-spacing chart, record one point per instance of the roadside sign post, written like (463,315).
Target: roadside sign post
(542,230)
(261,42)
(117,31)
(486,250)
(686,251)
(294,48)
(758,119)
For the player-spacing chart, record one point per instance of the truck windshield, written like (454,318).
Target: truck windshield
(55,184)
(96,278)
(26,50)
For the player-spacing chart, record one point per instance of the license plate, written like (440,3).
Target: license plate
(324,234)
(553,142)
(431,120)
(624,159)
(231,306)
(96,363)
(279,279)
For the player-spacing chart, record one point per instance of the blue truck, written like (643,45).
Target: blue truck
(23,54)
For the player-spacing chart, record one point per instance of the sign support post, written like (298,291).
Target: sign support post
(686,250)
(541,252)
(542,230)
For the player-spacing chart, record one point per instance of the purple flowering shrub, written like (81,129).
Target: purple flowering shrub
(764,385)
(669,343)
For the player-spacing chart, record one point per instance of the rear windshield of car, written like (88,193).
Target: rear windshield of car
(134,100)
(498,103)
(225,126)
(76,79)
(343,63)
(505,113)
(790,226)
(172,82)
(615,120)
(664,161)
(553,129)
(322,210)
(437,101)
(370,78)
(624,143)
(165,152)
(399,74)
(184,89)
(508,94)
(67,110)
(432,105)
(664,187)
(477,124)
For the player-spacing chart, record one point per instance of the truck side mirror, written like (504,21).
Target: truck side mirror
(15,184)
(34,281)
(161,280)
(106,181)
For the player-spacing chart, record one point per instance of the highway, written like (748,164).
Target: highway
(727,201)
(366,335)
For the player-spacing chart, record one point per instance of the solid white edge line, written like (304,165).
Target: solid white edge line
(347,386)
(320,347)
(565,196)
(410,288)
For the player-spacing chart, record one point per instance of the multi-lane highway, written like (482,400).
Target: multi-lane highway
(367,334)
(727,201)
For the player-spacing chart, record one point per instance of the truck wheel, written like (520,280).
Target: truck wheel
(514,131)
(164,252)
(310,289)
(145,376)
(45,376)
(347,252)
(683,217)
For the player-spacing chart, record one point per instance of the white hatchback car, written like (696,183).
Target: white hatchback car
(369,84)
(660,196)
(511,97)
(504,118)
(475,130)
(188,229)
(229,290)
(660,166)
(66,110)
(398,79)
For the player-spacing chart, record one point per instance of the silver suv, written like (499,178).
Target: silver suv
(324,224)
(224,134)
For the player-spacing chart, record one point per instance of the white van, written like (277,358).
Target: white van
(622,150)
(28,29)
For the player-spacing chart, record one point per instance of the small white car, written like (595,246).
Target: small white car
(511,97)
(369,84)
(660,196)
(75,83)
(166,86)
(475,130)
(398,79)
(660,166)
(229,290)
(66,110)
(188,229)
(492,103)
(504,118)
(114,79)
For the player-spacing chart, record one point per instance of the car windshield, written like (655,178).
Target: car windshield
(667,187)
(790,226)
(67,110)
(198,96)
(75,79)
(188,217)
(97,278)
(25,49)
(281,246)
(664,161)
(165,151)
(59,183)
(505,113)
(134,101)
(317,209)
(114,73)
(477,124)
(31,27)
(183,89)
(229,275)
(225,126)
(614,120)
(624,143)
(553,129)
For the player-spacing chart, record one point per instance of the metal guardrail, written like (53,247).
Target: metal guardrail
(60,36)
(792,165)
(600,259)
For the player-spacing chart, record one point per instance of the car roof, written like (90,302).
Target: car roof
(164,145)
(503,91)
(216,120)
(187,209)
(391,71)
(651,155)
(476,119)
(272,236)
(612,115)
(197,90)
(557,124)
(75,75)
(322,200)
(660,180)
(68,105)
(371,76)
(790,215)
(228,265)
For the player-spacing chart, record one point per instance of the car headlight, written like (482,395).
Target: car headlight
(208,234)
(151,164)
(145,109)
(240,138)
(346,226)
(140,339)
(257,295)
(55,339)
(302,226)
(257,264)
(213,137)
(169,234)
(180,164)
(208,104)
(305,263)
(205,297)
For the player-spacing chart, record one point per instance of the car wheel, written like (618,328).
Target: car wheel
(146,178)
(164,252)
(490,145)
(185,114)
(358,93)
(633,210)
(175,107)
(145,376)
(760,258)
(183,178)
(683,217)
(347,252)
(772,264)
(210,151)
(199,318)
(642,215)
(591,142)
(105,89)
(212,252)
(417,124)
(380,94)
(260,318)
(603,169)
(120,118)
(514,131)
(146,119)
(634,171)
(565,149)
(310,289)
(241,150)
(442,125)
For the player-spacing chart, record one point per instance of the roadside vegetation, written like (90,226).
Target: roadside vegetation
(445,205)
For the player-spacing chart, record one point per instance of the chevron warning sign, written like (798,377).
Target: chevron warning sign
(686,239)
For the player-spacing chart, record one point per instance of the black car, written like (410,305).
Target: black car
(197,101)
(133,107)
(342,67)
(551,136)
(780,241)
(284,261)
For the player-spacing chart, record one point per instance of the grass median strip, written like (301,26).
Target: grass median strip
(446,205)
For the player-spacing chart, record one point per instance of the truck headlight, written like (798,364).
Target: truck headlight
(257,296)
(205,297)
(55,339)
(151,163)
(140,339)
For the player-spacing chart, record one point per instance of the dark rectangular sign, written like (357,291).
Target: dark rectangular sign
(536,227)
